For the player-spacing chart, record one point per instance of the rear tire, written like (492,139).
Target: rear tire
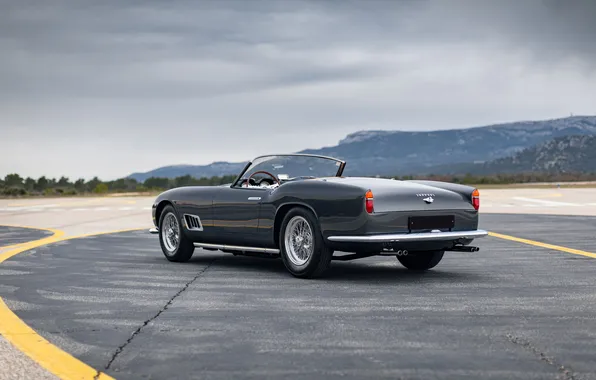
(303,250)
(421,261)
(175,245)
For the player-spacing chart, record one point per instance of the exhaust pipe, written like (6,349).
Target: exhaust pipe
(402,252)
(465,248)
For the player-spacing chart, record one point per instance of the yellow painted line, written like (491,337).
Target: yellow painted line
(544,245)
(24,338)
(4,247)
(554,195)
(80,203)
(43,352)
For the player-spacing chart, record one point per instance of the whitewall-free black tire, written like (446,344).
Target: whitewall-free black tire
(175,245)
(303,250)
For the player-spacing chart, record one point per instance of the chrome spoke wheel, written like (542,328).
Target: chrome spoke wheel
(298,240)
(170,233)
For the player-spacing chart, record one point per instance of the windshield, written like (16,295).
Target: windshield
(287,167)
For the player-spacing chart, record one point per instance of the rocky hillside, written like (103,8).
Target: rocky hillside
(400,152)
(575,153)
(197,171)
(396,152)
(563,154)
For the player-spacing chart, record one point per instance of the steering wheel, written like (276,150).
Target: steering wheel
(263,172)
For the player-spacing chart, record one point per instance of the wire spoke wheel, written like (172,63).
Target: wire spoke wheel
(298,240)
(170,231)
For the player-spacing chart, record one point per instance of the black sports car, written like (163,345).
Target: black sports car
(299,207)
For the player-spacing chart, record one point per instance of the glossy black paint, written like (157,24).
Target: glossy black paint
(251,216)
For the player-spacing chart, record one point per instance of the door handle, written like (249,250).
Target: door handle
(254,198)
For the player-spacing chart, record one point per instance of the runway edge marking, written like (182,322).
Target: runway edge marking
(19,334)
(11,246)
(544,245)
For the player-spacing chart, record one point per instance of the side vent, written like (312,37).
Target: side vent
(193,222)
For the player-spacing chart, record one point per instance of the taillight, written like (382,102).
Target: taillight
(476,199)
(369,202)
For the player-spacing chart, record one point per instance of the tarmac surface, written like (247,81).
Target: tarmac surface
(516,309)
(10,236)
(509,311)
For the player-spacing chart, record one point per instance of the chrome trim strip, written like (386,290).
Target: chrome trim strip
(236,248)
(422,236)
(154,230)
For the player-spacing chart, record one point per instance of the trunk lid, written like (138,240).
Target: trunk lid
(394,195)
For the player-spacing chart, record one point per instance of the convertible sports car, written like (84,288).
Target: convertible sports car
(299,207)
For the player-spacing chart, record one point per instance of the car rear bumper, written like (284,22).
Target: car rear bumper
(411,237)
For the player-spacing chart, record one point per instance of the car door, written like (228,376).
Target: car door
(236,214)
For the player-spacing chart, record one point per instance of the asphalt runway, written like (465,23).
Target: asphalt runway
(511,310)
(10,236)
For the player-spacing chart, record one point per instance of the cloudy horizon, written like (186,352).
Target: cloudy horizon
(106,89)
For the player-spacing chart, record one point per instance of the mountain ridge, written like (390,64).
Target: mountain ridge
(396,152)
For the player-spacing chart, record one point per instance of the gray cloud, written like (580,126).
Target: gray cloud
(113,87)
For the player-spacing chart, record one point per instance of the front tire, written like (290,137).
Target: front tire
(175,245)
(421,261)
(303,250)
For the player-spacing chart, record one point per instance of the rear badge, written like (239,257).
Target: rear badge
(429,197)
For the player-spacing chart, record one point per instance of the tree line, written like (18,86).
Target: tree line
(15,185)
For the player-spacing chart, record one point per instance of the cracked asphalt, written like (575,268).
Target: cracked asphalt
(510,311)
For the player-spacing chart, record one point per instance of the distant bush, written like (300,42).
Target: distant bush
(13,191)
(14,185)
(101,188)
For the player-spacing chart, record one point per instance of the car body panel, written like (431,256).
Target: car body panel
(250,216)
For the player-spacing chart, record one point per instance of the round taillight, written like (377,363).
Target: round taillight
(369,202)
(476,199)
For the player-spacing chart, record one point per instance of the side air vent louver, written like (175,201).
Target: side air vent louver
(193,222)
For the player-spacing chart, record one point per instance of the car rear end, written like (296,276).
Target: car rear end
(404,215)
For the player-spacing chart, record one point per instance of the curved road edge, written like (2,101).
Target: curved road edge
(65,366)
(25,339)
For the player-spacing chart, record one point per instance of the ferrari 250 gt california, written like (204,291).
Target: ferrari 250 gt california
(299,207)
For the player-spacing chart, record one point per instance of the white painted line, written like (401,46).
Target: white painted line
(546,203)
(125,208)
(32,206)
(147,208)
(79,209)
(101,209)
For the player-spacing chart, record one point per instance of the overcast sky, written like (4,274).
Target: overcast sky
(111,87)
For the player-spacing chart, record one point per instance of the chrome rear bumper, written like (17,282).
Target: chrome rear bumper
(413,237)
(154,230)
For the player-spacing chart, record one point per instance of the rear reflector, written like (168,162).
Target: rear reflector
(369,202)
(476,199)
